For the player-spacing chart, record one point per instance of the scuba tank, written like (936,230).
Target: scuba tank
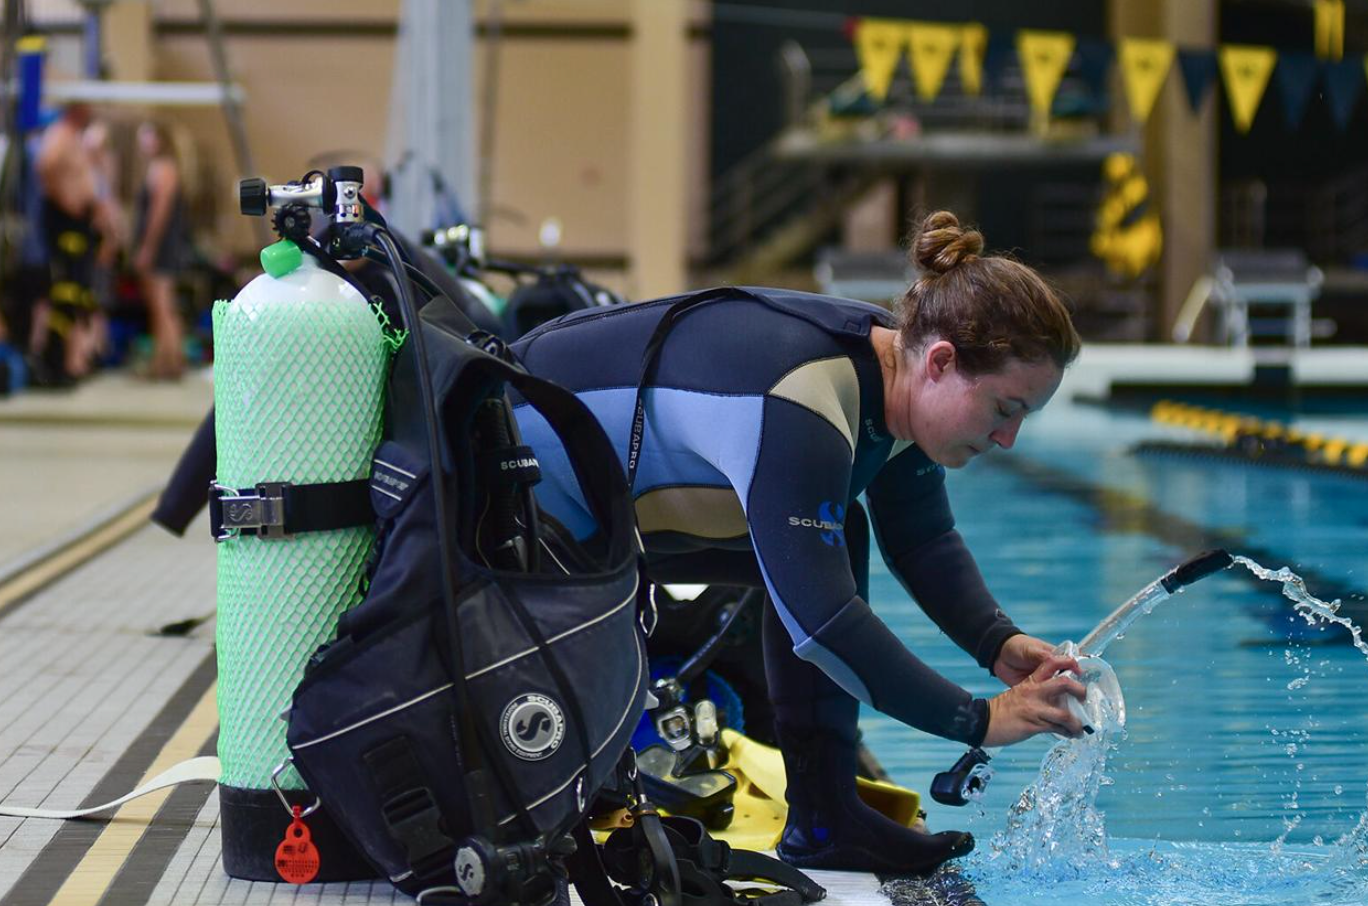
(301,365)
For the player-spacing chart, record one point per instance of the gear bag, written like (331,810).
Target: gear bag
(477,737)
(554,292)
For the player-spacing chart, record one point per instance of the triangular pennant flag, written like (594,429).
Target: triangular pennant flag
(1343,85)
(1330,29)
(931,47)
(1145,64)
(973,47)
(1044,57)
(1094,59)
(1246,70)
(1198,68)
(879,46)
(1296,76)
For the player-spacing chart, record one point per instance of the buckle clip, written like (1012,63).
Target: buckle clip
(416,822)
(260,512)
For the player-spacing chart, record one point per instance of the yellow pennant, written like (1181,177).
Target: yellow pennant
(932,49)
(1246,70)
(1044,57)
(1145,64)
(879,45)
(1330,29)
(973,47)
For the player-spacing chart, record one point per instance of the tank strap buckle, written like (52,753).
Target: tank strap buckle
(259,511)
(281,509)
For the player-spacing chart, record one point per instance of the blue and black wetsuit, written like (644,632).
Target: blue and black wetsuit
(764,424)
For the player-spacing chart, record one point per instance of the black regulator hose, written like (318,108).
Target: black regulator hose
(500,520)
(449,643)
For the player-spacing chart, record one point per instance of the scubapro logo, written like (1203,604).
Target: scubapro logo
(532,726)
(830,519)
(470,873)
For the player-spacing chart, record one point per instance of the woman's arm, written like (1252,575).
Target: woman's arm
(915,529)
(795,507)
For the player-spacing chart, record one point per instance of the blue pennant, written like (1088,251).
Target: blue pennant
(1199,71)
(1296,76)
(1094,58)
(1343,85)
(1000,53)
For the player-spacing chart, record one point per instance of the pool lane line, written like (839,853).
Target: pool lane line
(1123,512)
(95,420)
(1223,455)
(36,570)
(1262,441)
(183,725)
(145,867)
(91,877)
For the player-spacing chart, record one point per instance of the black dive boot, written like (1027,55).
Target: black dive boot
(829,827)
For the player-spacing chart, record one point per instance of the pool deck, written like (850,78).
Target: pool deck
(92,699)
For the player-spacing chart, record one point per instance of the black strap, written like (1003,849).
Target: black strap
(746,865)
(648,362)
(277,509)
(410,808)
(586,870)
(591,455)
(705,865)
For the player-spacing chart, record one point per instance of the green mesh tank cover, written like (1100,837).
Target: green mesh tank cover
(298,396)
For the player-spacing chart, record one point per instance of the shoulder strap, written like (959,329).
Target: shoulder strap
(591,454)
(652,353)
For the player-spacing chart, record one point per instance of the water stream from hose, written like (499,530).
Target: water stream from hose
(1055,828)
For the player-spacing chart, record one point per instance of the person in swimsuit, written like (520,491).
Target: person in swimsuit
(72,219)
(161,248)
(767,415)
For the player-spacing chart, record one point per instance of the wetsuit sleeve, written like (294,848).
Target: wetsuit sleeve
(795,508)
(915,530)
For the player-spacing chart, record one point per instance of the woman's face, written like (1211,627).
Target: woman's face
(148,142)
(954,417)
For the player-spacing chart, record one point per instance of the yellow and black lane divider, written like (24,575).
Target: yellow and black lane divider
(1256,441)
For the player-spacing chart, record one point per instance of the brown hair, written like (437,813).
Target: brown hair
(165,140)
(992,309)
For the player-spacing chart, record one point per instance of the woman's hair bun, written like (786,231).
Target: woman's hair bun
(942,244)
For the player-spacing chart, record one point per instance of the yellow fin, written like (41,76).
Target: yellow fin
(759,802)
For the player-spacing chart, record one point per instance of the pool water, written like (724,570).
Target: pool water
(1245,755)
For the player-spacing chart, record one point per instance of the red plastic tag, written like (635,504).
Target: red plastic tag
(296,857)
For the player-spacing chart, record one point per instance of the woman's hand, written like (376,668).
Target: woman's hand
(1019,657)
(1036,705)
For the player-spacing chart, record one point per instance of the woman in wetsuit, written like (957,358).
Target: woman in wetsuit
(767,414)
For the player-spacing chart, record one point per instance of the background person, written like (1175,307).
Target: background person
(765,421)
(104,164)
(161,248)
(70,217)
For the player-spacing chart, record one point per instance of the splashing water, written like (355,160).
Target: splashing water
(1307,605)
(1055,832)
(1056,823)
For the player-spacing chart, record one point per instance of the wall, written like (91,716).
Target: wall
(317,79)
